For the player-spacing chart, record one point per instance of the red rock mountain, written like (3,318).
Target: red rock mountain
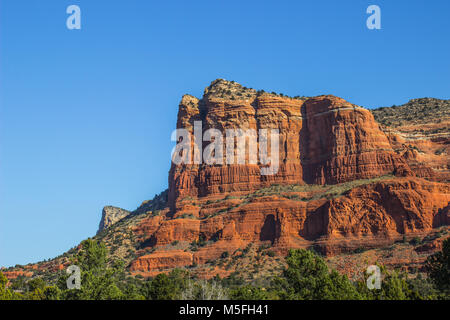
(323,140)
(342,183)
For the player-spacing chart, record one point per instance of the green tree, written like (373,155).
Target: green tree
(308,278)
(396,286)
(166,287)
(35,284)
(5,293)
(131,291)
(422,288)
(437,267)
(52,293)
(98,278)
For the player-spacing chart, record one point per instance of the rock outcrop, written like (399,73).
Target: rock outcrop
(420,131)
(343,183)
(111,215)
(162,260)
(323,140)
(369,215)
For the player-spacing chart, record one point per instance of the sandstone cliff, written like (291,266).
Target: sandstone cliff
(323,140)
(344,183)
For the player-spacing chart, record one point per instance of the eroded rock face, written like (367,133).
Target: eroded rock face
(367,216)
(161,260)
(342,184)
(323,140)
(111,215)
(344,143)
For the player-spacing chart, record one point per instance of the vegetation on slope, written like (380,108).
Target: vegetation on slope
(415,112)
(306,277)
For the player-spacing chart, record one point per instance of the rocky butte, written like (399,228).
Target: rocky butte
(342,183)
(345,181)
(111,215)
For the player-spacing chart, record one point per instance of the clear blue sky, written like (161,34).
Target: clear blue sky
(86,115)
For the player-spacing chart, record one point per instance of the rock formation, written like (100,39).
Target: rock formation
(111,215)
(343,183)
(420,131)
(322,140)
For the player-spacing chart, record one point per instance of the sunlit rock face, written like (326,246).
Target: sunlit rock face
(111,215)
(343,183)
(322,140)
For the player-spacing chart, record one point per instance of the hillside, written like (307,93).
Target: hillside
(420,132)
(426,116)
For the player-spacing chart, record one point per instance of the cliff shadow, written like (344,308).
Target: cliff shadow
(316,223)
(442,218)
(304,148)
(268,230)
